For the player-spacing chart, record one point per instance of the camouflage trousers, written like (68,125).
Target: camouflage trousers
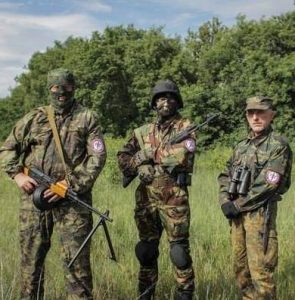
(254,270)
(164,205)
(72,223)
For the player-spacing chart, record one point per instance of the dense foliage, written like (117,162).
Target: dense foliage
(216,67)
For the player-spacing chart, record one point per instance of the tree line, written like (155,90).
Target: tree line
(216,67)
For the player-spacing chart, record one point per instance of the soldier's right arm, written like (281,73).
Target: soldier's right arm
(125,157)
(223,180)
(16,145)
(228,207)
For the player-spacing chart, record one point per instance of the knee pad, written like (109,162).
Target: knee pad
(147,252)
(179,254)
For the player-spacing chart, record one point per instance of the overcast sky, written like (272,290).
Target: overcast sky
(27,26)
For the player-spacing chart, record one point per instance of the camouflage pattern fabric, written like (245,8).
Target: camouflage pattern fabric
(31,144)
(72,224)
(162,204)
(269,159)
(168,158)
(254,270)
(264,155)
(60,76)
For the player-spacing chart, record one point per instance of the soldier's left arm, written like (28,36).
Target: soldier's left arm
(84,175)
(171,156)
(275,176)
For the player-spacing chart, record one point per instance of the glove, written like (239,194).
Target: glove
(230,210)
(143,156)
(146,173)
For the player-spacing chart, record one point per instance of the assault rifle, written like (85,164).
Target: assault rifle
(178,138)
(45,182)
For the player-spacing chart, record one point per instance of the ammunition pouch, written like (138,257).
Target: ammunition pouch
(163,177)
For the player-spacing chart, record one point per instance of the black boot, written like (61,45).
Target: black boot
(146,291)
(183,295)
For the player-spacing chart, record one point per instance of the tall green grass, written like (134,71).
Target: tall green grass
(210,243)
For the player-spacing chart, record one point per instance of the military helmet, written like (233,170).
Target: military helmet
(59,77)
(166,86)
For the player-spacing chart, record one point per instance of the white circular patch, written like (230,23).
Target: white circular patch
(98,145)
(190,145)
(272,177)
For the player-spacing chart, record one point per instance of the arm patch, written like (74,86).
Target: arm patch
(272,177)
(190,145)
(98,145)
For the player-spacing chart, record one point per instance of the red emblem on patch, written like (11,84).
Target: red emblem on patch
(272,177)
(190,145)
(98,145)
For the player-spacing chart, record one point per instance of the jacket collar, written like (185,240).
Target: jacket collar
(257,140)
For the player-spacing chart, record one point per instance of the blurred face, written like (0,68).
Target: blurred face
(63,92)
(166,105)
(259,119)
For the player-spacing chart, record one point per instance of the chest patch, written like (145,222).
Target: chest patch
(98,145)
(190,145)
(272,177)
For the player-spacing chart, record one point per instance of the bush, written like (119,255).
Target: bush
(214,159)
(111,170)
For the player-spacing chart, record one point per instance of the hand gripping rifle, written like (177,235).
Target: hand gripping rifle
(178,138)
(46,182)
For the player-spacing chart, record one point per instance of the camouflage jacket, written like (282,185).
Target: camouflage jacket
(31,144)
(269,159)
(167,158)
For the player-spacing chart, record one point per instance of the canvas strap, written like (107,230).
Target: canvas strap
(50,114)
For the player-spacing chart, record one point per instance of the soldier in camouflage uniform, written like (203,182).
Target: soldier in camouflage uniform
(31,144)
(162,200)
(257,174)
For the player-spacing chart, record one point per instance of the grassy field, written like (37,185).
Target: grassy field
(210,246)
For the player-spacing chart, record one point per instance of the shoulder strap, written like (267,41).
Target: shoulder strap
(50,115)
(139,138)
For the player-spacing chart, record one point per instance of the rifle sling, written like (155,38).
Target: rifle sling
(50,115)
(139,138)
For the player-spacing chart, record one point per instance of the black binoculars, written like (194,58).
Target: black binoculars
(240,180)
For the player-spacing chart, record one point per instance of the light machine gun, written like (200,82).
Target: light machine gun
(45,182)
